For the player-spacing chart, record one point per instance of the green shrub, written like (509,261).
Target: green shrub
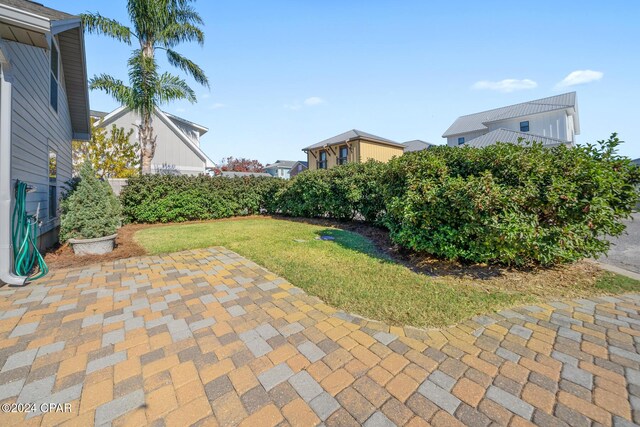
(343,193)
(89,209)
(168,198)
(510,204)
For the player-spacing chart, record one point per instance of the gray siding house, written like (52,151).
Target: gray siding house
(44,104)
(280,168)
(178,149)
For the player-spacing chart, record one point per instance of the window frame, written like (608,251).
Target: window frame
(460,140)
(323,164)
(52,184)
(54,80)
(343,160)
(527,126)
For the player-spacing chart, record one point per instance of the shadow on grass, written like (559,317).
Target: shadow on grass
(379,245)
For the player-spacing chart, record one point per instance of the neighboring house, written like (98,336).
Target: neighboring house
(280,169)
(44,104)
(416,145)
(233,174)
(298,167)
(178,149)
(552,121)
(352,146)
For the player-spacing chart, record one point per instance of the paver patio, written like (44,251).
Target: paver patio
(210,338)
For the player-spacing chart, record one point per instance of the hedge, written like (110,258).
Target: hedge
(504,204)
(346,192)
(510,204)
(168,198)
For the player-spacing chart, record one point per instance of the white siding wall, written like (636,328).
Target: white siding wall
(36,126)
(172,153)
(452,141)
(552,124)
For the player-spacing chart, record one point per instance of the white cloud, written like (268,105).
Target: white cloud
(216,106)
(314,100)
(579,77)
(181,110)
(309,102)
(506,85)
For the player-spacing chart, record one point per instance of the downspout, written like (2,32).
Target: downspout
(6,274)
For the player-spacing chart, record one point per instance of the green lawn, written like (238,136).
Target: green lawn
(347,273)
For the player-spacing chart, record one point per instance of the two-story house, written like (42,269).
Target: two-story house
(178,149)
(280,168)
(551,121)
(352,146)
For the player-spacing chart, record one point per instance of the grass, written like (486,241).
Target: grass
(348,272)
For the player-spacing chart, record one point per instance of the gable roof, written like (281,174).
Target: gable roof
(281,164)
(301,162)
(32,24)
(512,137)
(349,136)
(478,121)
(416,145)
(201,129)
(169,122)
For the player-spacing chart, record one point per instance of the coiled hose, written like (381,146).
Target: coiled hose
(25,238)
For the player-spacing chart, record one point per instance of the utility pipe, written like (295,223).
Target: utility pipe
(6,273)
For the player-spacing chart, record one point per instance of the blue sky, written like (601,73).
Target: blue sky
(286,74)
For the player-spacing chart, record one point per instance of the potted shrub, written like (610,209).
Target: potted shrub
(90,215)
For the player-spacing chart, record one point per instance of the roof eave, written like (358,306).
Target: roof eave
(23,19)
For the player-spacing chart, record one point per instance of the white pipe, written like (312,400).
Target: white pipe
(6,274)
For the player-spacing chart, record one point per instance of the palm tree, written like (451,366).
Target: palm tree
(157,25)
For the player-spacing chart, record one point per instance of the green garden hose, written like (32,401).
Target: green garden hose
(25,238)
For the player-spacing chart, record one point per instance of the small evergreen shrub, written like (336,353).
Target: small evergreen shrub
(170,198)
(89,209)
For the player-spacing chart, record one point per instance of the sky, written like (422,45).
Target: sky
(285,74)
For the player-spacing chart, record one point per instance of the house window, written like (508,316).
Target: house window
(461,140)
(524,126)
(55,69)
(53,185)
(322,160)
(343,153)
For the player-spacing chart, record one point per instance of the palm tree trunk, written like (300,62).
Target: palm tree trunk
(145,131)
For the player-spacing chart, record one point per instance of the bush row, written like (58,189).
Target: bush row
(167,198)
(506,203)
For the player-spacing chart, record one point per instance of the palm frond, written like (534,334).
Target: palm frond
(187,66)
(114,87)
(97,24)
(173,88)
(176,33)
(188,15)
(143,77)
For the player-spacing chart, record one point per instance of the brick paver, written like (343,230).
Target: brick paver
(208,337)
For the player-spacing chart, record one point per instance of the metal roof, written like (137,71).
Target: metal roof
(351,135)
(512,137)
(478,121)
(37,9)
(232,174)
(281,164)
(416,145)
